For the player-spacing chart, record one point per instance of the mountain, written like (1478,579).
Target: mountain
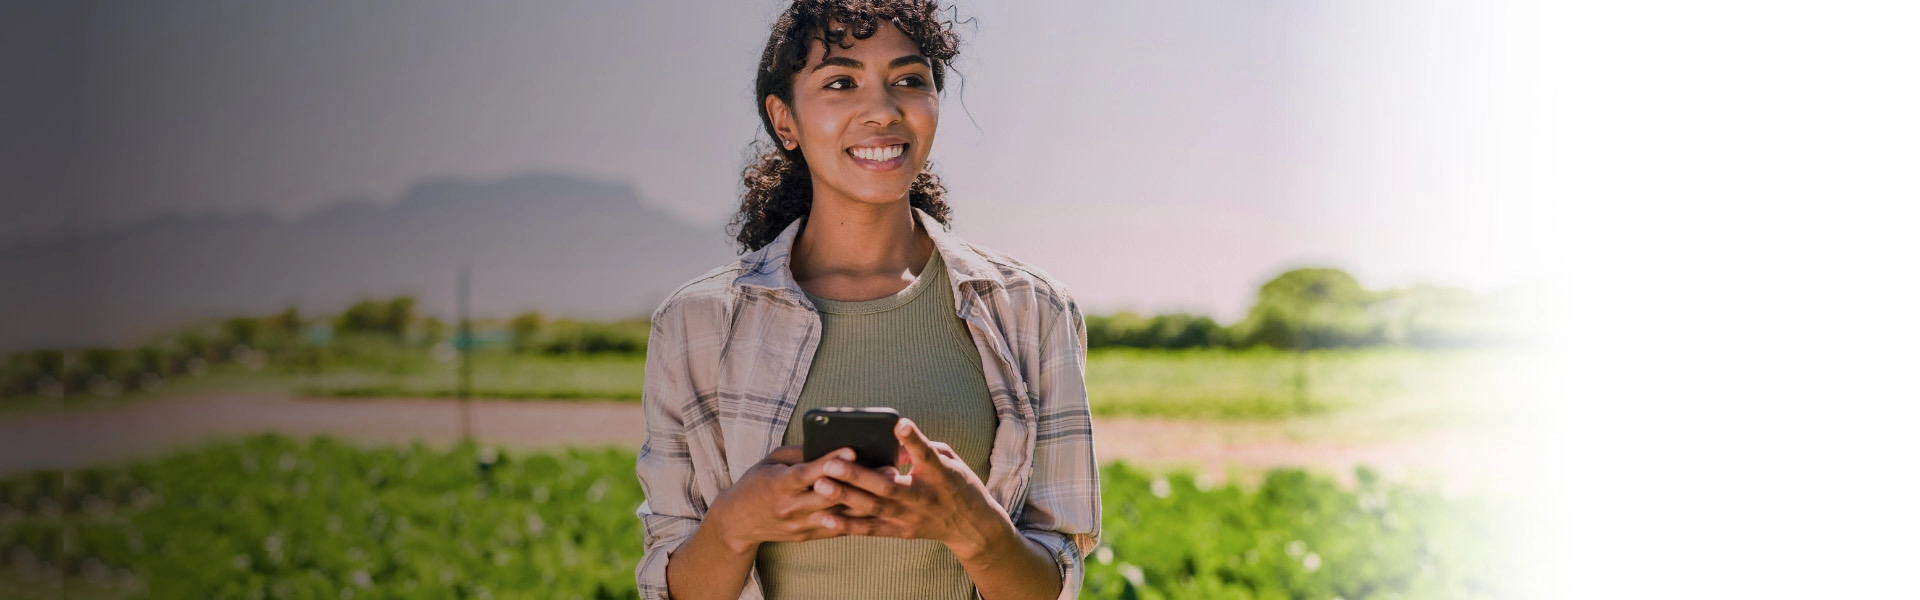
(538,241)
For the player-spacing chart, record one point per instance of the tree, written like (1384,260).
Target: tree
(1181,330)
(525,328)
(373,316)
(1312,308)
(288,321)
(399,315)
(243,330)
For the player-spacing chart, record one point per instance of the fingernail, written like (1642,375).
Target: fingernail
(846,454)
(828,521)
(834,468)
(824,487)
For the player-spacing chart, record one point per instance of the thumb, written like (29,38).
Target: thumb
(901,462)
(914,441)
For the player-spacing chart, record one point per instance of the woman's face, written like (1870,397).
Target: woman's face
(864,117)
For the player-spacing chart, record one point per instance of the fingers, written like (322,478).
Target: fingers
(914,441)
(873,526)
(817,524)
(825,519)
(862,478)
(867,491)
(803,476)
(858,502)
(944,450)
(803,504)
(826,524)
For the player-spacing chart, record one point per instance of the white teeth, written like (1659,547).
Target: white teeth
(880,154)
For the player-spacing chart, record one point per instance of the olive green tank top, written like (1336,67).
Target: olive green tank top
(908,351)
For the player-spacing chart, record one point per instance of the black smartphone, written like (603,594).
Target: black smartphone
(868,430)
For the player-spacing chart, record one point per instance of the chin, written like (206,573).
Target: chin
(882,194)
(900,196)
(871,188)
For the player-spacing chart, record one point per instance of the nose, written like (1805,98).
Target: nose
(881,109)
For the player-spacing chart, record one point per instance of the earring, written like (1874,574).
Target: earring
(786,142)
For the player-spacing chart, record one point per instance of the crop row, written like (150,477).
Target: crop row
(273,517)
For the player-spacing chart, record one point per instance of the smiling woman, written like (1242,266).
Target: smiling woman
(812,59)
(853,293)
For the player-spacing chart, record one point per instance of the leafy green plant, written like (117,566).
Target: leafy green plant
(273,517)
(1293,535)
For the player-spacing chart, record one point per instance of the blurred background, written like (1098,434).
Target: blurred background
(349,299)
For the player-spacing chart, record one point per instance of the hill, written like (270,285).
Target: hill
(558,243)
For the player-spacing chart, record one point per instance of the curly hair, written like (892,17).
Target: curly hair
(779,188)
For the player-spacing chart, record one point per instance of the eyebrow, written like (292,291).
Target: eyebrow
(842,61)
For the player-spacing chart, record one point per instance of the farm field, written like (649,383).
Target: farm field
(1370,395)
(1226,474)
(274,517)
(1355,395)
(495,375)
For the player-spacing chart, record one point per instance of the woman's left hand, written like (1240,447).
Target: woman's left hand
(941,499)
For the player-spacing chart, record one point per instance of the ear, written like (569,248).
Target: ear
(784,127)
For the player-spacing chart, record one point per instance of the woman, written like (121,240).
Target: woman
(852,293)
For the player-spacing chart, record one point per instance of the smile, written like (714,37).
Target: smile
(881,158)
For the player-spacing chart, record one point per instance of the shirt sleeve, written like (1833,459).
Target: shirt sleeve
(673,507)
(1062,509)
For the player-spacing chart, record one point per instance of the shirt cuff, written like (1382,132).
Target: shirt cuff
(663,534)
(1066,554)
(651,574)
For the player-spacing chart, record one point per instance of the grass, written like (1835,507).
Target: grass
(1387,393)
(495,375)
(271,517)
(219,379)
(1259,384)
(1364,395)
(1223,384)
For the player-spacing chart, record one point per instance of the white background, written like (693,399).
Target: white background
(1738,187)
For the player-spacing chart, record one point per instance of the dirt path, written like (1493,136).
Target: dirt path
(83,438)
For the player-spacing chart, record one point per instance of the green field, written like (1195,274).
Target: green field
(271,517)
(1267,384)
(1425,387)
(495,375)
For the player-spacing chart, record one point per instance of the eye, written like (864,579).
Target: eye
(912,81)
(839,80)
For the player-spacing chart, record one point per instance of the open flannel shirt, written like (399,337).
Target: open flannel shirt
(730,349)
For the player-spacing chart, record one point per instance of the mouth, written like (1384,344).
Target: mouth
(879,158)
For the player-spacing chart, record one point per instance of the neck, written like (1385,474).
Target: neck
(858,239)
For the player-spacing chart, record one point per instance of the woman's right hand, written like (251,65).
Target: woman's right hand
(775,501)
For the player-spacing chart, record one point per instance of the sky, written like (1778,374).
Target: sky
(1151,157)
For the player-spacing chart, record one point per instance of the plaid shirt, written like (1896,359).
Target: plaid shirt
(730,349)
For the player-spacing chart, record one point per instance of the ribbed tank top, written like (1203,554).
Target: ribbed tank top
(908,351)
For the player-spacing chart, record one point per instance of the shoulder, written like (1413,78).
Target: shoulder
(1020,278)
(709,294)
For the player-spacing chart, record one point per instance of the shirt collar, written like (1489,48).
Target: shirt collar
(768,267)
